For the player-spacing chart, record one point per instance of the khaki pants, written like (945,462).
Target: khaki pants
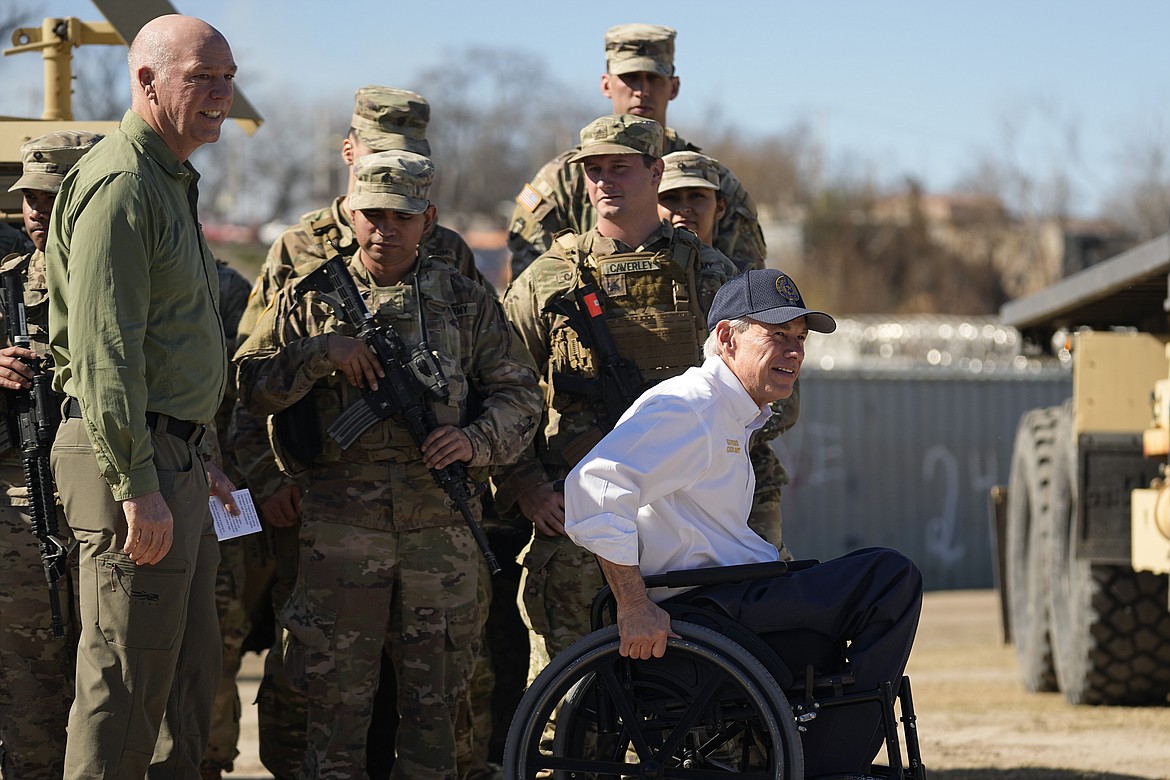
(149,656)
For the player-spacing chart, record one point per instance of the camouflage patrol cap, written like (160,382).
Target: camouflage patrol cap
(619,134)
(46,159)
(689,169)
(396,180)
(385,118)
(636,48)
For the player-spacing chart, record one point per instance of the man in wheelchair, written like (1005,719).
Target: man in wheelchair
(670,488)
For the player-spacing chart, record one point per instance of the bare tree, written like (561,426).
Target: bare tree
(496,117)
(780,169)
(1034,163)
(279,173)
(1140,200)
(101,90)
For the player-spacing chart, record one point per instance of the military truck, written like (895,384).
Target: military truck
(55,41)
(1083,527)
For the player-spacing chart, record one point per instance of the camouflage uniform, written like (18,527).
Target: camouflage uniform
(12,241)
(229,579)
(385,559)
(383,119)
(555,198)
(691,170)
(36,668)
(656,297)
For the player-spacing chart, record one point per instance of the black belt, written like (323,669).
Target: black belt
(159,423)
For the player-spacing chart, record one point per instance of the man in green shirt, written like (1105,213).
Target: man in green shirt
(138,346)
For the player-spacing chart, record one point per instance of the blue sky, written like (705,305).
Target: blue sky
(898,88)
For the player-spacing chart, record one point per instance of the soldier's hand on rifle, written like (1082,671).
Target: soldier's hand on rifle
(444,446)
(354,359)
(545,507)
(283,508)
(14,373)
(150,528)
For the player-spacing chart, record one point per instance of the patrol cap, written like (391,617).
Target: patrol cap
(619,134)
(689,169)
(766,295)
(396,180)
(46,159)
(385,118)
(634,48)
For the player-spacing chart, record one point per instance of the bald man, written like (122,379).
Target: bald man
(138,346)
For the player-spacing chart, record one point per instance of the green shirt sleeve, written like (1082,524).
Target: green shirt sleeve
(108,299)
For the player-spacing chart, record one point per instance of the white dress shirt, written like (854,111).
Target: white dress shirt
(670,487)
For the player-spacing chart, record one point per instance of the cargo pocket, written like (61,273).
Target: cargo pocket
(308,646)
(141,607)
(462,625)
(461,651)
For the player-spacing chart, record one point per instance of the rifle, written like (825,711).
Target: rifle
(619,382)
(36,414)
(401,393)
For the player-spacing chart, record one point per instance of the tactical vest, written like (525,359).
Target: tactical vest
(328,238)
(652,311)
(387,440)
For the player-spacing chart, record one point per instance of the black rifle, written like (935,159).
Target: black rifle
(35,413)
(401,393)
(619,382)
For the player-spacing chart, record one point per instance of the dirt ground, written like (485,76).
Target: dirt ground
(974,720)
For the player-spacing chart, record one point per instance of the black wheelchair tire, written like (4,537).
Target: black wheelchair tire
(559,687)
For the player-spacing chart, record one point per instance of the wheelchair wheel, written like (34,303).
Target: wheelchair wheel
(707,707)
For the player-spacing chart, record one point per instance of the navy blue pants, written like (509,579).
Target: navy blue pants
(870,599)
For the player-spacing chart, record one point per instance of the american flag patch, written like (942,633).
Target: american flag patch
(529,198)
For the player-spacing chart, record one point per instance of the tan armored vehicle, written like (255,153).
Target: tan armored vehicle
(55,41)
(1084,525)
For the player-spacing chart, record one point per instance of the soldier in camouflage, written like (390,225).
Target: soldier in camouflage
(384,119)
(386,561)
(230,577)
(36,668)
(640,80)
(689,197)
(657,283)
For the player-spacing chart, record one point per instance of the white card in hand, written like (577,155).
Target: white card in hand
(229,526)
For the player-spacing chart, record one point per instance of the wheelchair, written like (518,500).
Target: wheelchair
(721,701)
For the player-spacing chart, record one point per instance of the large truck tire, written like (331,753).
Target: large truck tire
(1110,626)
(1028,571)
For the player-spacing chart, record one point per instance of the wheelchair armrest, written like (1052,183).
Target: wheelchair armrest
(710,575)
